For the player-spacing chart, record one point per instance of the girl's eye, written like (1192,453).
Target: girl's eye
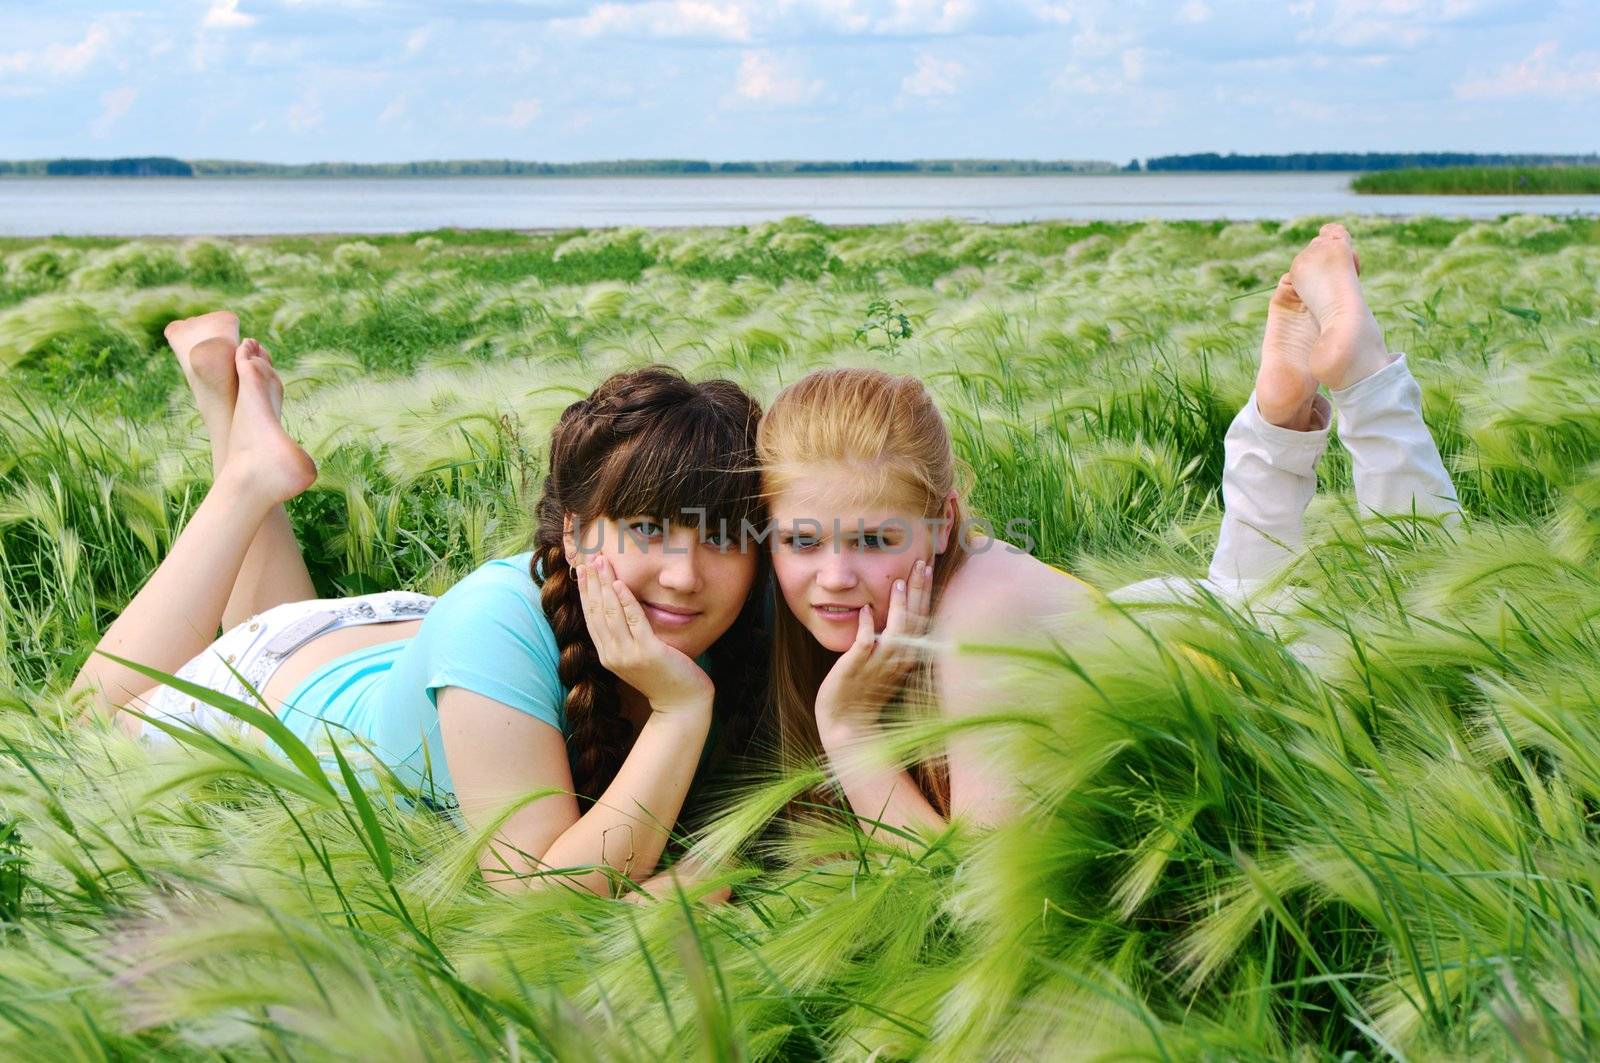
(872,541)
(799,542)
(645,529)
(718,540)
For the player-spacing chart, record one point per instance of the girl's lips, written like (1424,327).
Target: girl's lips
(663,616)
(838,614)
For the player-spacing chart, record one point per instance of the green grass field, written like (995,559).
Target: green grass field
(1229,852)
(1482,181)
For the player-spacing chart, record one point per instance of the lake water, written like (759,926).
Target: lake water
(240,206)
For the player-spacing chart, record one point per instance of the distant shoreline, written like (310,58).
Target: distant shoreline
(165,166)
(713,176)
(226,178)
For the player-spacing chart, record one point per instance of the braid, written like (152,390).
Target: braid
(597,734)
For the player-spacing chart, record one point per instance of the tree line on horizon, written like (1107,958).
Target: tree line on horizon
(172,167)
(165,166)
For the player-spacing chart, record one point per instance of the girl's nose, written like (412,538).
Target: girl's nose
(680,561)
(837,573)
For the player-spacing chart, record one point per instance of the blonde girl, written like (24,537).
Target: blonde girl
(871,544)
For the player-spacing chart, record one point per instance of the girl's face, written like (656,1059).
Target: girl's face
(836,552)
(691,587)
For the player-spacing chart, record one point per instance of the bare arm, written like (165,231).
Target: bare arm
(851,700)
(877,794)
(496,754)
(494,757)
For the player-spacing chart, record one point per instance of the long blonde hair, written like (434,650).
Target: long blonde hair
(888,432)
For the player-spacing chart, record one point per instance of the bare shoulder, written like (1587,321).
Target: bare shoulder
(1002,590)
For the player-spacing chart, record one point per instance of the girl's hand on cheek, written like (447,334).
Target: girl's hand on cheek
(630,649)
(870,672)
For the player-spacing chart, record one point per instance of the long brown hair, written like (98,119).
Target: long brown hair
(876,425)
(645,442)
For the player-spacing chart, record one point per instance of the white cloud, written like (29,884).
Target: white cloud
(521,116)
(1194,12)
(750,21)
(762,79)
(275,53)
(933,77)
(1090,43)
(1543,73)
(1133,61)
(418,39)
(396,111)
(925,16)
(225,15)
(305,114)
(62,60)
(1403,24)
(1059,14)
(1103,65)
(729,21)
(113,105)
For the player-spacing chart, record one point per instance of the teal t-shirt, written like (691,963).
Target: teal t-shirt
(487,634)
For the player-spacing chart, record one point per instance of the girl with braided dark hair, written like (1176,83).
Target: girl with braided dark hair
(572,678)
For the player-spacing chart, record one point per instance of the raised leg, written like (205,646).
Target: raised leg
(1393,458)
(1270,452)
(274,569)
(176,613)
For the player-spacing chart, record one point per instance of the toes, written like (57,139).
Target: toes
(1334,231)
(249,364)
(255,367)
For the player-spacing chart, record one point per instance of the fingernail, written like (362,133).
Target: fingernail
(899,584)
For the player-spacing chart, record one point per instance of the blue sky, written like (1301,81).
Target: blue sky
(563,80)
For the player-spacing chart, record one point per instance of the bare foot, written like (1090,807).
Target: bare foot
(1286,392)
(1326,276)
(261,455)
(198,342)
(205,347)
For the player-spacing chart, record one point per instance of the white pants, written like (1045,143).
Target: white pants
(1269,478)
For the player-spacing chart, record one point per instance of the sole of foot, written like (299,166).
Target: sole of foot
(205,346)
(1326,275)
(1286,389)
